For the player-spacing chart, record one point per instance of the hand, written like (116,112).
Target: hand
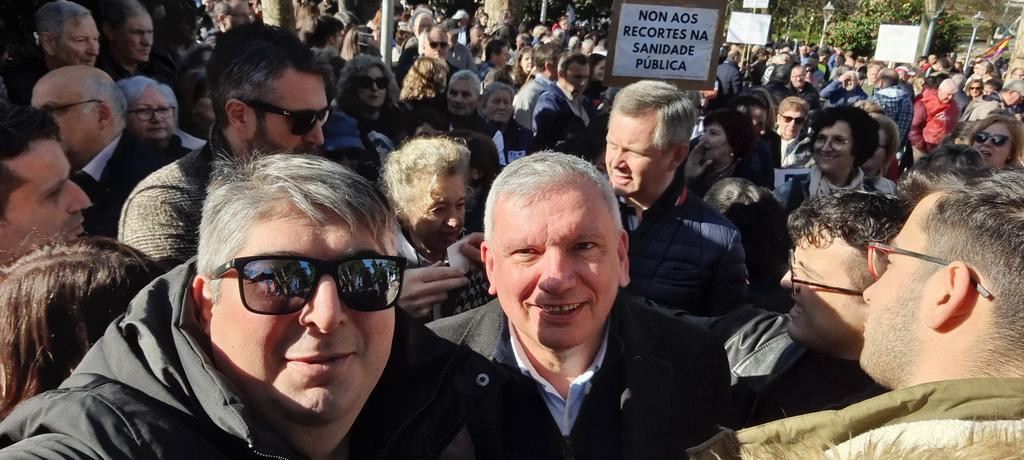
(425,286)
(697,163)
(470,247)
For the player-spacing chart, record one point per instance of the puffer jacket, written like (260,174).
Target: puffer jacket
(148,389)
(910,417)
(685,255)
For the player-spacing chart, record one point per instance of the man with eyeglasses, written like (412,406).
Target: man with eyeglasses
(942,330)
(269,96)
(795,147)
(807,360)
(107,161)
(267,346)
(432,42)
(1010,99)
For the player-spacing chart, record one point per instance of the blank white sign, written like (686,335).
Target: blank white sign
(897,43)
(748,28)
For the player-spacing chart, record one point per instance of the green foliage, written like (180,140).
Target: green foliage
(858,30)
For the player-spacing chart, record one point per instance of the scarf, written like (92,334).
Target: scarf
(820,184)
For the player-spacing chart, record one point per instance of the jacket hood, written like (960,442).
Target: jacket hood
(160,348)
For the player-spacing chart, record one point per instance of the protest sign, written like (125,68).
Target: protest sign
(748,28)
(752,4)
(673,40)
(783,175)
(897,43)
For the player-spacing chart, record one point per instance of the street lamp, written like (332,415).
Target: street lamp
(975,23)
(826,14)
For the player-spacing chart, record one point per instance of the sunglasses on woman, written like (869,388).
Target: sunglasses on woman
(997,139)
(974,88)
(366,82)
(279,285)
(303,121)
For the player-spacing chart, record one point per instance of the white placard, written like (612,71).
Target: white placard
(667,42)
(748,28)
(755,3)
(897,43)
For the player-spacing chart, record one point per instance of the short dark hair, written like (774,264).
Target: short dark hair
(548,53)
(324,27)
(857,218)
(52,293)
(20,126)
(739,131)
(864,130)
(921,182)
(570,59)
(761,221)
(483,156)
(116,12)
(951,156)
(995,83)
(982,224)
(249,58)
(494,47)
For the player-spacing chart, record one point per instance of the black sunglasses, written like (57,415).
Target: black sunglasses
(436,45)
(303,121)
(366,82)
(279,285)
(789,119)
(997,139)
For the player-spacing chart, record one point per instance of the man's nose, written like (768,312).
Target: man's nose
(557,275)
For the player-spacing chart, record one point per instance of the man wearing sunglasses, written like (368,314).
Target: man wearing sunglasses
(607,374)
(278,341)
(1009,99)
(943,330)
(269,95)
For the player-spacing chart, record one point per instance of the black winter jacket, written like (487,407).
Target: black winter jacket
(685,255)
(148,390)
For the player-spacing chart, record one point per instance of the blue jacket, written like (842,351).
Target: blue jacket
(686,255)
(835,94)
(557,127)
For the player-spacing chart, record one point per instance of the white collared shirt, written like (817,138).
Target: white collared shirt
(98,163)
(563,410)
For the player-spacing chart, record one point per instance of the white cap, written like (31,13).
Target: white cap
(461,14)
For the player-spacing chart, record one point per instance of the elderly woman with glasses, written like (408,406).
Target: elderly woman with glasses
(367,92)
(152,115)
(1000,140)
(844,138)
(426,183)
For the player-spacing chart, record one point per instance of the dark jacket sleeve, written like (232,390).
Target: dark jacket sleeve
(728,287)
(545,114)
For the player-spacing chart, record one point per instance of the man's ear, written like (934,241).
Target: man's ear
(679,154)
(623,253)
(46,42)
(240,118)
(202,295)
(106,115)
(950,299)
(487,255)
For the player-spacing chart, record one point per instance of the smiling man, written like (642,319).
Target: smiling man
(269,95)
(608,375)
(266,346)
(38,202)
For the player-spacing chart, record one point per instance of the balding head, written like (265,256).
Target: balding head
(88,107)
(947,89)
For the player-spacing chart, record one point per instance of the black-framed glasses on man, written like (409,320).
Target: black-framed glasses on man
(303,121)
(793,281)
(878,262)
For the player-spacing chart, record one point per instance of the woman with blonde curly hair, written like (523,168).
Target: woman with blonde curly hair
(1000,140)
(425,84)
(426,183)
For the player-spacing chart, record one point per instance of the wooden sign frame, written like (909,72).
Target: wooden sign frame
(719,38)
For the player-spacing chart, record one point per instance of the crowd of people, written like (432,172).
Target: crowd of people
(260,241)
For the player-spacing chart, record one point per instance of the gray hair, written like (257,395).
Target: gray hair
(466,75)
(493,88)
(543,172)
(676,111)
(410,172)
(257,188)
(52,17)
(99,86)
(424,37)
(132,88)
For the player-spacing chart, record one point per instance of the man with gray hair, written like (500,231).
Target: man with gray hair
(269,347)
(107,161)
(604,374)
(67,36)
(683,254)
(269,95)
(464,104)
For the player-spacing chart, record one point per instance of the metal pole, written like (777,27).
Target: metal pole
(821,42)
(967,57)
(543,11)
(387,29)
(931,34)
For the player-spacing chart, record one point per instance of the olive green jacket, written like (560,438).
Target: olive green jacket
(978,399)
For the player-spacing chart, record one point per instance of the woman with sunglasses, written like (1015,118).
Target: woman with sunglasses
(844,138)
(367,92)
(1000,140)
(426,183)
(975,89)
